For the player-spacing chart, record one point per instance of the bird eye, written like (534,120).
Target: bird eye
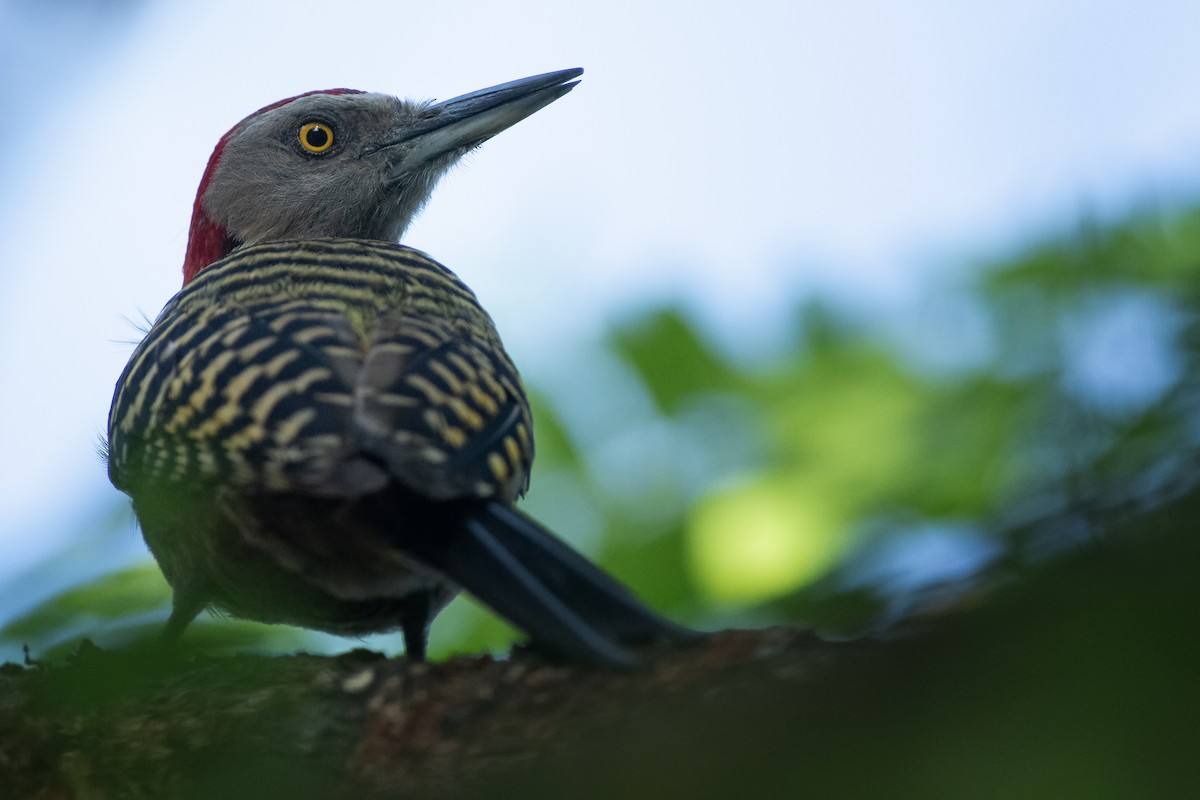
(316,137)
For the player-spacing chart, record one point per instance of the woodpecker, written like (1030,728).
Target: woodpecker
(323,428)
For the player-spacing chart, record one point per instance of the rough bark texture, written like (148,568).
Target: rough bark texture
(136,725)
(1076,679)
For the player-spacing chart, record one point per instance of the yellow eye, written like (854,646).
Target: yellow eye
(316,137)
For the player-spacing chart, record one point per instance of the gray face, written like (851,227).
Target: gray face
(315,167)
(346,164)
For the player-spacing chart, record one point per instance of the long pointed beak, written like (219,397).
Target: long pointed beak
(470,119)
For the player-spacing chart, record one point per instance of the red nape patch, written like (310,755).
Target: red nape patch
(208,241)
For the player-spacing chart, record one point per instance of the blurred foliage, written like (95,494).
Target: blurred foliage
(876,463)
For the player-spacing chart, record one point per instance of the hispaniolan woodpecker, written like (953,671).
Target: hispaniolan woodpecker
(322,427)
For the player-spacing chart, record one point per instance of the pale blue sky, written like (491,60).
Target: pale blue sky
(713,152)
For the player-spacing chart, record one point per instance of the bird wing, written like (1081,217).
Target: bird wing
(327,368)
(441,404)
(218,394)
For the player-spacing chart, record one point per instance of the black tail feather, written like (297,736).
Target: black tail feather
(539,584)
(609,606)
(521,596)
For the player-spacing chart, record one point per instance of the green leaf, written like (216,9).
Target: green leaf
(671,358)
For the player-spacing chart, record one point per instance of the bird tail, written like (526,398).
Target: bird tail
(527,575)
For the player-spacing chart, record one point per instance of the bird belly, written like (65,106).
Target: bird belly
(313,562)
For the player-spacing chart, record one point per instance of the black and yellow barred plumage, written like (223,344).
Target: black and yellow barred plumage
(329,433)
(323,428)
(267,367)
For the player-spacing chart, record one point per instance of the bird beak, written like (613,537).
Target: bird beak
(470,119)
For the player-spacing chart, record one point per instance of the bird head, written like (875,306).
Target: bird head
(345,163)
